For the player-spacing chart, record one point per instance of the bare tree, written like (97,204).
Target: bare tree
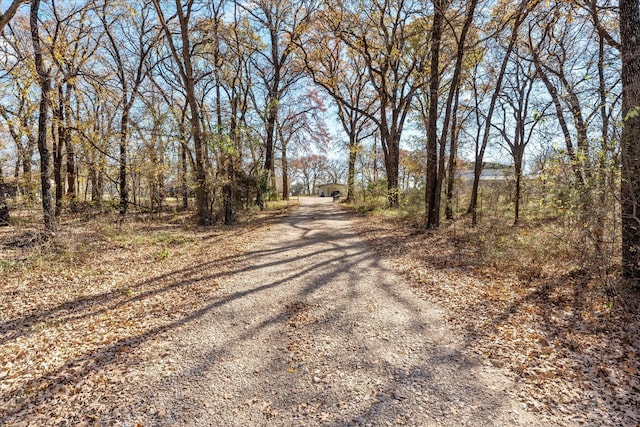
(130,59)
(345,79)
(311,169)
(517,19)
(71,44)
(282,22)
(450,109)
(300,122)
(181,54)
(519,114)
(389,37)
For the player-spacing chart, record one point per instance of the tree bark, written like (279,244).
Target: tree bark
(122,162)
(351,173)
(453,97)
(630,139)
(45,88)
(71,193)
(58,147)
(518,156)
(432,196)
(285,173)
(4,207)
(453,156)
(391,146)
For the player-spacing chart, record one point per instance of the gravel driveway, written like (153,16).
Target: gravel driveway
(314,329)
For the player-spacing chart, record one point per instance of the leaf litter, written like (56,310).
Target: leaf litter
(573,347)
(78,314)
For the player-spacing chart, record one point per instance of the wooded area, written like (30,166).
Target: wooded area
(506,130)
(146,105)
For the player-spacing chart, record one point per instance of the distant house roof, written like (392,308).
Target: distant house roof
(332,184)
(488,174)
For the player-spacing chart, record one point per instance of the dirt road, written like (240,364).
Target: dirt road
(314,329)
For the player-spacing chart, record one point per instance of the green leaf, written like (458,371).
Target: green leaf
(632,113)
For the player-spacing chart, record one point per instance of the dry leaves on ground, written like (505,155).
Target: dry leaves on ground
(576,349)
(77,313)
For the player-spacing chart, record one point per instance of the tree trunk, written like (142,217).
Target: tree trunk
(184,187)
(285,173)
(518,156)
(154,182)
(351,174)
(93,179)
(26,160)
(453,98)
(432,176)
(630,139)
(99,193)
(269,163)
(228,191)
(43,149)
(58,147)
(392,166)
(122,161)
(453,156)
(71,173)
(4,207)
(71,193)
(202,194)
(375,159)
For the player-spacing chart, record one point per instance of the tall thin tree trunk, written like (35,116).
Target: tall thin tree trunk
(518,157)
(453,157)
(392,166)
(453,98)
(285,172)
(71,194)
(58,148)
(26,161)
(71,173)
(375,158)
(269,162)
(228,191)
(122,161)
(183,61)
(184,187)
(4,207)
(431,194)
(45,87)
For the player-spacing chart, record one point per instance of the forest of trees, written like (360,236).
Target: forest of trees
(109,104)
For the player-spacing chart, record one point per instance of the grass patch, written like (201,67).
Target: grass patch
(280,205)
